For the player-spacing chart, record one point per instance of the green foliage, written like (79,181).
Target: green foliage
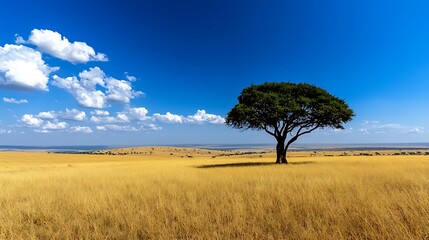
(269,104)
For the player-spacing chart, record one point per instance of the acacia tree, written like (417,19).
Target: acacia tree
(287,111)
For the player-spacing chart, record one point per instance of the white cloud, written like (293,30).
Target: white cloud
(376,127)
(86,93)
(139,114)
(382,128)
(416,130)
(102,119)
(116,127)
(131,119)
(150,126)
(55,126)
(49,121)
(19,40)
(120,118)
(90,79)
(123,117)
(85,97)
(23,68)
(169,118)
(130,78)
(363,131)
(31,121)
(73,114)
(42,131)
(119,90)
(55,44)
(47,115)
(15,101)
(101,128)
(40,125)
(3,131)
(82,129)
(129,115)
(202,117)
(68,114)
(100,113)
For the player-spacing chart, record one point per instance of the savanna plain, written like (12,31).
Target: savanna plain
(183,193)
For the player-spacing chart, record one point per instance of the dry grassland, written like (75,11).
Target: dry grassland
(167,195)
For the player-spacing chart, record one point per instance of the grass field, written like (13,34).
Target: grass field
(189,194)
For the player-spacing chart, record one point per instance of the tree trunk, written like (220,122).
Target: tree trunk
(285,148)
(281,153)
(284,160)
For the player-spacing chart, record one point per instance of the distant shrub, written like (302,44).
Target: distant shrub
(365,154)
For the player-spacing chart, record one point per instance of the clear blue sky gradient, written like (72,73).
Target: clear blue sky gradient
(191,55)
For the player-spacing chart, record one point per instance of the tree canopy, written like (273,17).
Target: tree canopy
(287,111)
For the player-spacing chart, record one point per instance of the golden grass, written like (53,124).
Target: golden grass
(70,196)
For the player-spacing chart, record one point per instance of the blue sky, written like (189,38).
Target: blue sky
(167,72)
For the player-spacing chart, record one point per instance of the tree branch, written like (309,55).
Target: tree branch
(268,131)
(308,131)
(298,134)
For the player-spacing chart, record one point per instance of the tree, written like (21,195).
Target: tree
(287,111)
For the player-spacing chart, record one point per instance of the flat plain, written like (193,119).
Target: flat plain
(181,193)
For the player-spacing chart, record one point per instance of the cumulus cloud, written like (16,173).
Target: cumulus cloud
(119,90)
(15,101)
(150,126)
(23,68)
(119,118)
(49,121)
(101,128)
(42,126)
(128,127)
(139,114)
(169,118)
(68,114)
(54,125)
(73,114)
(128,115)
(86,93)
(130,119)
(200,117)
(31,120)
(82,129)
(104,119)
(100,113)
(47,115)
(123,117)
(59,46)
(87,97)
